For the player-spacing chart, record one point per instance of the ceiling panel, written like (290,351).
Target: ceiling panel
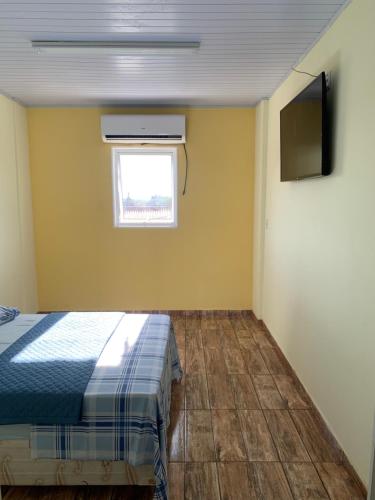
(247,48)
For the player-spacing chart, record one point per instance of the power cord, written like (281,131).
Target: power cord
(186,166)
(186,170)
(305,73)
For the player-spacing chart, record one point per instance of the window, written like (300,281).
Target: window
(145,187)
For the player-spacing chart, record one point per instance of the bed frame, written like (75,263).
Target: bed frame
(17,468)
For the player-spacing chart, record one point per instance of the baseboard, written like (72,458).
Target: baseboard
(325,429)
(174,312)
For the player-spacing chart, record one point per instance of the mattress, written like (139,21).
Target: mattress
(9,333)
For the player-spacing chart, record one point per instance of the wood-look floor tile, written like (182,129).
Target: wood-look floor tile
(182,357)
(178,395)
(315,437)
(262,338)
(193,339)
(193,323)
(257,437)
(176,481)
(224,323)
(237,322)
(229,445)
(338,482)
(208,322)
(196,392)
(199,445)
(268,394)
(229,340)
(244,393)
(220,392)
(248,322)
(176,437)
(254,362)
(274,361)
(285,435)
(246,340)
(178,324)
(194,360)
(234,361)
(215,361)
(269,481)
(304,481)
(293,392)
(194,353)
(212,339)
(201,482)
(180,338)
(234,481)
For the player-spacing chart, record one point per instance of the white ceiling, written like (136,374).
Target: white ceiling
(247,48)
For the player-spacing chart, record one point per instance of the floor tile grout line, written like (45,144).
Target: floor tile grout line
(288,481)
(212,426)
(257,395)
(275,348)
(321,480)
(256,390)
(260,406)
(235,409)
(185,415)
(186,419)
(262,410)
(277,451)
(272,376)
(311,461)
(268,427)
(278,390)
(301,437)
(248,371)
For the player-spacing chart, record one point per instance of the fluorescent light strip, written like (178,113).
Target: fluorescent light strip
(119,48)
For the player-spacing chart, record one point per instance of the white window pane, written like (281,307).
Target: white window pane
(146,189)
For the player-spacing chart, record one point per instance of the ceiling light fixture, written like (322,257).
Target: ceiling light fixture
(116,48)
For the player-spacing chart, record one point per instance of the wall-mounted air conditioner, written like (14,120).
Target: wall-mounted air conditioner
(138,129)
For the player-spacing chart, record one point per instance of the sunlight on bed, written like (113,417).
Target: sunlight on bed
(123,341)
(57,342)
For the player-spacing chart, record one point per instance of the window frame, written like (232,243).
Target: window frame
(117,206)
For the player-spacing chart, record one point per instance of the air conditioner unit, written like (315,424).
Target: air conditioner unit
(138,129)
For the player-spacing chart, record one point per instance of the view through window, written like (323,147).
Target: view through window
(145,187)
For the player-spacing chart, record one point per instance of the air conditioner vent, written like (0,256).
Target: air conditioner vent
(169,136)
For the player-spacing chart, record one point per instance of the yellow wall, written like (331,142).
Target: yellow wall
(17,262)
(319,258)
(83,262)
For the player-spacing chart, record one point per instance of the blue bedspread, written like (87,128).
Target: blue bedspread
(44,374)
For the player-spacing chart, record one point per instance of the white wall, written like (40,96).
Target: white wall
(17,262)
(319,256)
(260,192)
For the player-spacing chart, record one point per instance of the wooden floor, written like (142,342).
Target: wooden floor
(242,426)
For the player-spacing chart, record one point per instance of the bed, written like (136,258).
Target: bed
(120,435)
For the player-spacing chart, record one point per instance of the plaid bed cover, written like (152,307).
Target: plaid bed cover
(125,412)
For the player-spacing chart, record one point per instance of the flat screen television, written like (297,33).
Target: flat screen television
(304,133)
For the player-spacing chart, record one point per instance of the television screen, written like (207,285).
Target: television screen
(304,133)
